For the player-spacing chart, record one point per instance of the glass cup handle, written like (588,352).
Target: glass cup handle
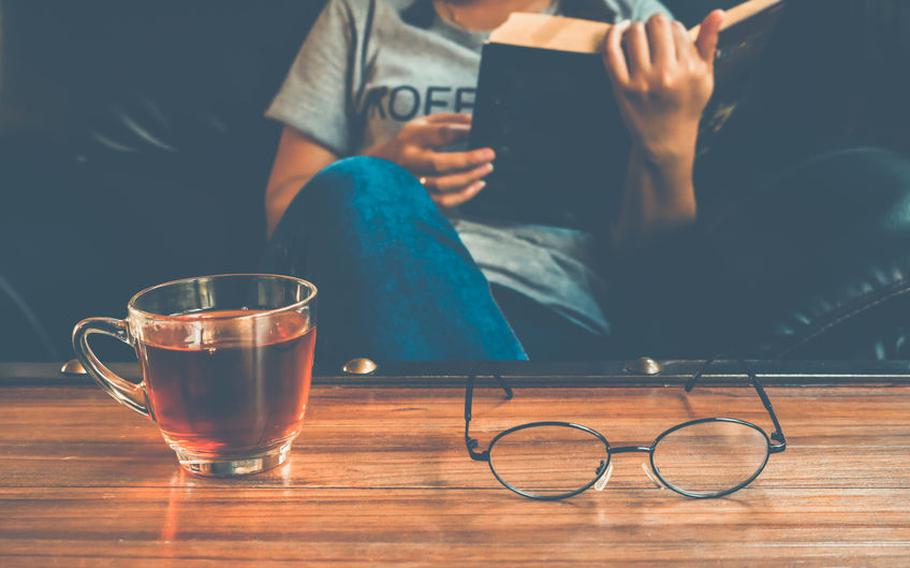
(123,391)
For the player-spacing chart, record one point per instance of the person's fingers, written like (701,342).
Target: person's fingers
(440,135)
(614,57)
(685,49)
(440,163)
(707,35)
(660,41)
(455,182)
(638,54)
(458,198)
(458,118)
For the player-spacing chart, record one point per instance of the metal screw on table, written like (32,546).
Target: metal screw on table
(359,366)
(643,366)
(73,367)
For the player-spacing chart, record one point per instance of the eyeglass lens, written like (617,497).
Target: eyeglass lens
(707,458)
(548,461)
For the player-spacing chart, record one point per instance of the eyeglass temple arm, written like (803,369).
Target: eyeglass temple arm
(470,442)
(778,434)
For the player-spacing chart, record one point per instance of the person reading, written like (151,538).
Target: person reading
(371,169)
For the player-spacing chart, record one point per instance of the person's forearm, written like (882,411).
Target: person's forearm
(298,159)
(279,198)
(658,197)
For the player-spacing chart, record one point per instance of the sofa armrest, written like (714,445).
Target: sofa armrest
(817,264)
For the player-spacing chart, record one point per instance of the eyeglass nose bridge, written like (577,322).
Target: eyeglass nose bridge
(607,473)
(631,450)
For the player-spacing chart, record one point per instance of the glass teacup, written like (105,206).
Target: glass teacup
(226,366)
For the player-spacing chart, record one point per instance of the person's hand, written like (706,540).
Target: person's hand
(662,81)
(451,178)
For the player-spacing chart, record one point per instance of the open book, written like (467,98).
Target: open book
(544,104)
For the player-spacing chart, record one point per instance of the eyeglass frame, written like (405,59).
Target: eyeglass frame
(776,441)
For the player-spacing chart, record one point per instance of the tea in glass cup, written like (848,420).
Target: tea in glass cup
(226,366)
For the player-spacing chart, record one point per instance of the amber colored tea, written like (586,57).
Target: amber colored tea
(245,388)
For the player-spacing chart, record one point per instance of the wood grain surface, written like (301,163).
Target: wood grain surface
(380,476)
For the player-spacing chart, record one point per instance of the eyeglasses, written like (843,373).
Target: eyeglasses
(704,458)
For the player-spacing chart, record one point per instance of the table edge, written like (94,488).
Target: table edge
(520,373)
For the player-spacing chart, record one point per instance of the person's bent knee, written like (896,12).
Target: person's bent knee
(357,191)
(362,182)
(361,168)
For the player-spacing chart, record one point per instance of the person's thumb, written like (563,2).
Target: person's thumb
(706,43)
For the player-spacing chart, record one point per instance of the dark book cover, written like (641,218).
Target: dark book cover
(562,148)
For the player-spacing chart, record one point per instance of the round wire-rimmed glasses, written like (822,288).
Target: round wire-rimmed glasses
(704,458)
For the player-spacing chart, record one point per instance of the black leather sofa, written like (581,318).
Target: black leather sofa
(133,150)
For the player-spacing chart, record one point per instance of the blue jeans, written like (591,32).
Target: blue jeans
(395,282)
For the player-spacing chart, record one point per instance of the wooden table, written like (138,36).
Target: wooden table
(380,475)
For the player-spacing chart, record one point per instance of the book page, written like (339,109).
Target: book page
(551,32)
(584,36)
(740,12)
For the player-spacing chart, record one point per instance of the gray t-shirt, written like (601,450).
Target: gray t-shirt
(354,84)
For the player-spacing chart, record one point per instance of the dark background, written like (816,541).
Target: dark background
(133,148)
